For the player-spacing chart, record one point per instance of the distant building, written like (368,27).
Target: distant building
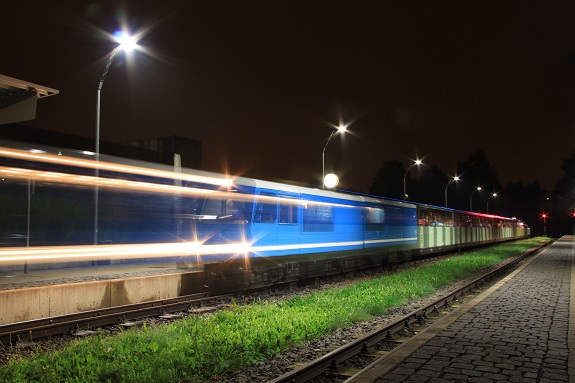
(160,150)
(164,148)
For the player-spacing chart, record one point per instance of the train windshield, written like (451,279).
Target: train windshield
(223,209)
(221,219)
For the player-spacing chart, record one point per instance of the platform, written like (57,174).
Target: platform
(47,293)
(37,278)
(520,330)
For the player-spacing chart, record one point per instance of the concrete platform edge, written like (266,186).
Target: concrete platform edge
(41,302)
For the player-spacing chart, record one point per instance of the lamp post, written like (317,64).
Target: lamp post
(544,216)
(416,162)
(125,43)
(471,196)
(492,196)
(340,129)
(456,178)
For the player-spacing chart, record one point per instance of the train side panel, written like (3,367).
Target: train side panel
(389,225)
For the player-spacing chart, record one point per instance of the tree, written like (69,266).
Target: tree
(565,196)
(388,182)
(476,171)
(430,187)
(565,187)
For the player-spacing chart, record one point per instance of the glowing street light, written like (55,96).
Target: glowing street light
(416,162)
(456,178)
(340,129)
(331,180)
(125,42)
(544,216)
(492,196)
(471,197)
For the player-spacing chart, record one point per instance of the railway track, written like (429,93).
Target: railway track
(87,320)
(81,323)
(332,365)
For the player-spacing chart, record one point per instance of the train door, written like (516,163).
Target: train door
(374,234)
(265,224)
(288,230)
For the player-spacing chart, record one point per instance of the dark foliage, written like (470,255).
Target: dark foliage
(517,199)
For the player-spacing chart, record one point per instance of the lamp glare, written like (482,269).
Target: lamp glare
(330,181)
(127,42)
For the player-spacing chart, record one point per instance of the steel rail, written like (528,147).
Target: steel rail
(330,361)
(86,320)
(69,323)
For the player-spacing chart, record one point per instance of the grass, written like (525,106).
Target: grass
(216,345)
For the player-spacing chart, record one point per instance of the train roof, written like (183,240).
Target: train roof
(285,187)
(295,189)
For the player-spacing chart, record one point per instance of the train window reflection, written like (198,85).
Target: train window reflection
(317,218)
(224,208)
(375,219)
(436,218)
(266,209)
(288,210)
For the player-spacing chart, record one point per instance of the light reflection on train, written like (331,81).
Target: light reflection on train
(148,211)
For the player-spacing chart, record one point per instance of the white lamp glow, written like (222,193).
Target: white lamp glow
(330,181)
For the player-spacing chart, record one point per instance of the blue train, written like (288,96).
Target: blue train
(293,232)
(258,231)
(278,220)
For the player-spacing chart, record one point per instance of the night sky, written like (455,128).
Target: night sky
(260,83)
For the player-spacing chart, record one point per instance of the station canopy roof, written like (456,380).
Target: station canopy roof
(18,99)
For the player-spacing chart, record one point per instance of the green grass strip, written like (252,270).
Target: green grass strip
(215,345)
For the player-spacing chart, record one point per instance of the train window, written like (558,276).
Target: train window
(219,208)
(436,217)
(375,219)
(266,208)
(288,210)
(317,218)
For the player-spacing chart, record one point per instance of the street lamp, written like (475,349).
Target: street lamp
(416,162)
(456,178)
(544,216)
(492,196)
(340,129)
(471,196)
(330,181)
(126,42)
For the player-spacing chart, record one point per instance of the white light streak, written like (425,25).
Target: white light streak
(89,252)
(90,164)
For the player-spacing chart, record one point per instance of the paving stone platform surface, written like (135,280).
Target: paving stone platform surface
(518,331)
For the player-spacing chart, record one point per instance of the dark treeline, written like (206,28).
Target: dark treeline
(525,201)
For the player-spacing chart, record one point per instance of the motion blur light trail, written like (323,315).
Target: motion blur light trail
(90,164)
(14,255)
(11,255)
(22,174)
(111,183)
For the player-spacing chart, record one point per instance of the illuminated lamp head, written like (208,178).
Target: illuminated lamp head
(330,181)
(126,41)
